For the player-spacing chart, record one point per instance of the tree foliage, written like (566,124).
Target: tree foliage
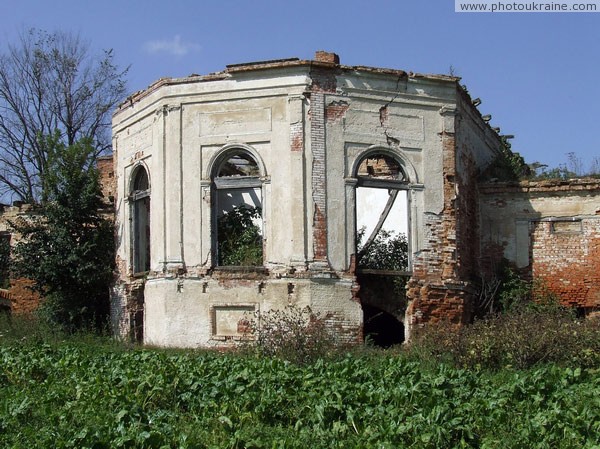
(67,246)
(4,262)
(240,240)
(388,251)
(48,82)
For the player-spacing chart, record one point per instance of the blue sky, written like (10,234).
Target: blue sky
(536,73)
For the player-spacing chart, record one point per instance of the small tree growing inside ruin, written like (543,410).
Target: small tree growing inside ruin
(388,251)
(240,241)
(67,246)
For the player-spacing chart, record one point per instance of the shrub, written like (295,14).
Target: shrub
(520,338)
(293,334)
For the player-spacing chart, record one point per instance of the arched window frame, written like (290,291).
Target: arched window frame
(406,182)
(222,184)
(139,199)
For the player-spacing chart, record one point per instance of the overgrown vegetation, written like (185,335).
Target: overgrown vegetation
(521,324)
(573,168)
(506,290)
(527,377)
(295,334)
(67,246)
(60,392)
(522,338)
(508,165)
(239,238)
(387,251)
(511,166)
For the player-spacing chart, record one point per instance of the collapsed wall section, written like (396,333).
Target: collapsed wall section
(436,290)
(548,231)
(446,276)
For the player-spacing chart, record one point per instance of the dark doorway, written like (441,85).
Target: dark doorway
(381,328)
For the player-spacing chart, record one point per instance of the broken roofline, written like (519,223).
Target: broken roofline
(278,64)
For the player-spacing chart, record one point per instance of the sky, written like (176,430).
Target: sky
(536,73)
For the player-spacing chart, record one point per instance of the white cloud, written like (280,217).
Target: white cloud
(174,46)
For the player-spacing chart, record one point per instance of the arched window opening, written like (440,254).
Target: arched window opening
(140,216)
(382,214)
(382,248)
(238,210)
(238,163)
(381,167)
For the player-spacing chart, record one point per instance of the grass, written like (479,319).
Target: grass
(83,391)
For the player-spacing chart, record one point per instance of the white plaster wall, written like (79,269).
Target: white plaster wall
(178,130)
(411,131)
(180,312)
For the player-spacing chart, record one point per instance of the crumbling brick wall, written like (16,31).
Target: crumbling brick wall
(22,297)
(440,287)
(565,255)
(548,231)
(108,183)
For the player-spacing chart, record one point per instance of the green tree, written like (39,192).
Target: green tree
(4,262)
(388,251)
(239,238)
(67,246)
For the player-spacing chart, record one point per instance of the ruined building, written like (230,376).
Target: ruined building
(352,190)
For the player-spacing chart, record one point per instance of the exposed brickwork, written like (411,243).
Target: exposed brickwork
(492,254)
(108,181)
(5,301)
(297,137)
(467,224)
(559,238)
(324,56)
(568,261)
(323,81)
(440,287)
(127,309)
(345,331)
(336,110)
(320,233)
(24,299)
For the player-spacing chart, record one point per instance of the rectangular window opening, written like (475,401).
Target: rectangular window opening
(239,227)
(382,229)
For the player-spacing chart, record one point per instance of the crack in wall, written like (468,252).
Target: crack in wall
(383,115)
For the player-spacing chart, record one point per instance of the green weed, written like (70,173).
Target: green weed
(90,395)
